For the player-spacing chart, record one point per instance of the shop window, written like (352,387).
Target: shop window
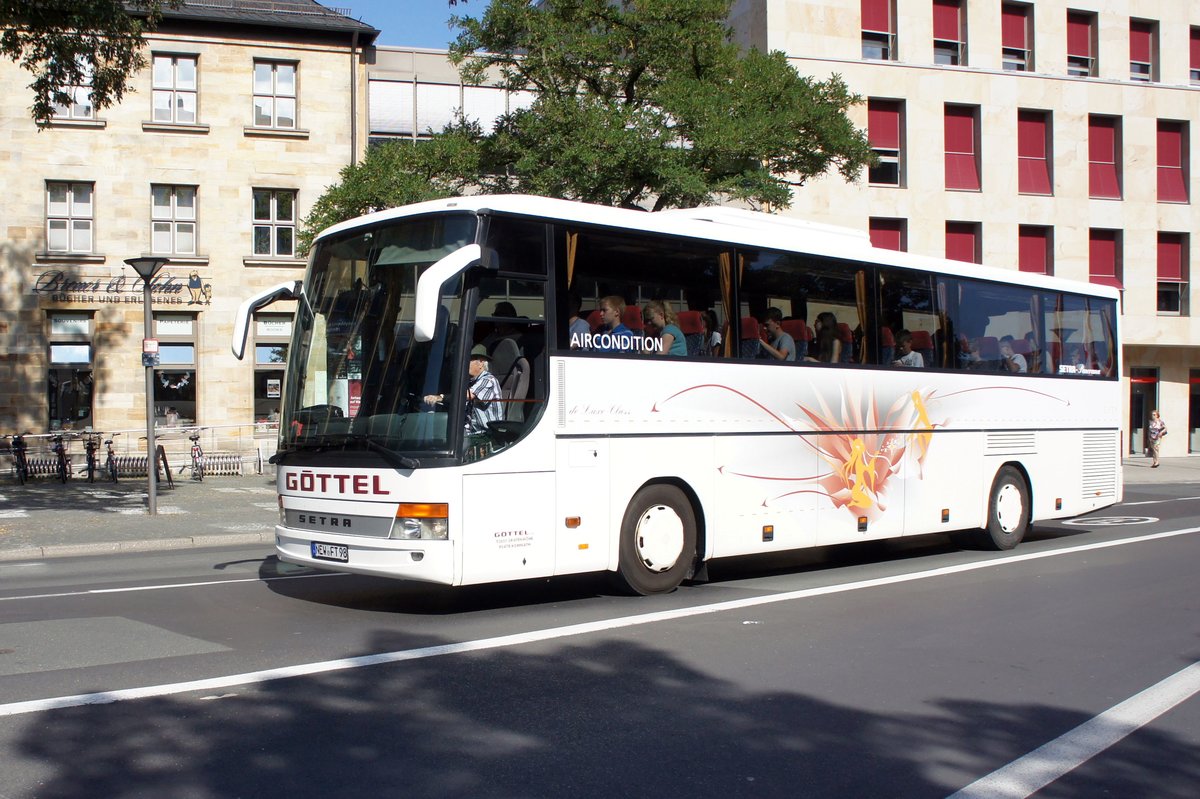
(1016,34)
(274,95)
(272,332)
(175,375)
(69,384)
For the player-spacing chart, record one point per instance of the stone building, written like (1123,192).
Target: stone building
(246,113)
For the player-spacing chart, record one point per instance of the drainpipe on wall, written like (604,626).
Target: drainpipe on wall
(354,97)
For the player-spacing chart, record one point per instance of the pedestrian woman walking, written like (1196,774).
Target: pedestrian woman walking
(1158,430)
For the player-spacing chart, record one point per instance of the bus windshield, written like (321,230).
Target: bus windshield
(358,375)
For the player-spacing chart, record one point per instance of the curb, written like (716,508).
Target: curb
(144,545)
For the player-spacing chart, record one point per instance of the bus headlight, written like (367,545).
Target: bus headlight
(422,520)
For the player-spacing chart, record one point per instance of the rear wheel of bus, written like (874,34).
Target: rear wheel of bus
(1008,511)
(658,541)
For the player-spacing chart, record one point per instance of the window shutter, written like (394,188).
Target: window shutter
(1012,27)
(1170,258)
(960,241)
(945,20)
(962,168)
(1079,35)
(887,234)
(1103,177)
(876,16)
(1172,180)
(1033,162)
(1033,249)
(883,124)
(1141,36)
(1102,258)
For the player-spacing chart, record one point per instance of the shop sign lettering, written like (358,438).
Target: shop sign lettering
(166,288)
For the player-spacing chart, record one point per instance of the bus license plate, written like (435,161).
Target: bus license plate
(335,552)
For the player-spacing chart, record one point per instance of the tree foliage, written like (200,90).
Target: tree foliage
(65,43)
(637,103)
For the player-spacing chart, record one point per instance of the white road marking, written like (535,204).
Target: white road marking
(534,636)
(1029,774)
(1156,501)
(198,584)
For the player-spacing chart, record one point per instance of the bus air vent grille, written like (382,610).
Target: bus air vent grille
(1099,464)
(560,379)
(1011,442)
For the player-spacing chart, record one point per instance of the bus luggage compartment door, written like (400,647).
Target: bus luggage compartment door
(508,532)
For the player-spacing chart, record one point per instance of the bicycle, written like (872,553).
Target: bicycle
(91,447)
(20,462)
(197,457)
(62,467)
(110,463)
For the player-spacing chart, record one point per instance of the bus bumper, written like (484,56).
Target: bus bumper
(423,561)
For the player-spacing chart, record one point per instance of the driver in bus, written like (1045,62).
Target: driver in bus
(483,394)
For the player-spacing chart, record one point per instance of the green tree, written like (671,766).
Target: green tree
(65,43)
(637,103)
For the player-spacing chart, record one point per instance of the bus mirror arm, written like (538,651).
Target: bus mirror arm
(289,290)
(429,288)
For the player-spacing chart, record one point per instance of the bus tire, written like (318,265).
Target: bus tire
(1008,512)
(658,541)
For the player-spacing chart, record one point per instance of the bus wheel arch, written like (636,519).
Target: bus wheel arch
(1009,509)
(660,538)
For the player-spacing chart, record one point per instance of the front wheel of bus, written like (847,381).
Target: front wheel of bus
(1008,511)
(658,541)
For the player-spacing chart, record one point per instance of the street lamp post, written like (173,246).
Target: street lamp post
(147,268)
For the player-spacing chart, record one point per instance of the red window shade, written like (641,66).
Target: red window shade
(1033,161)
(1172,179)
(1079,34)
(960,241)
(1102,258)
(1171,258)
(1195,48)
(883,124)
(887,234)
(1141,41)
(876,16)
(1012,27)
(962,165)
(945,20)
(1103,175)
(1033,249)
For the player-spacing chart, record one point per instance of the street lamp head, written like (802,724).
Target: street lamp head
(147,266)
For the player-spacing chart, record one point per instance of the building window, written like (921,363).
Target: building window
(69,217)
(879,30)
(962,147)
(963,242)
(884,125)
(1172,274)
(889,234)
(1033,152)
(1194,56)
(1104,257)
(175,374)
(175,89)
(1172,162)
(275,222)
(80,104)
(274,95)
(173,220)
(1016,34)
(949,32)
(1143,49)
(69,382)
(1081,44)
(1104,162)
(1035,249)
(272,332)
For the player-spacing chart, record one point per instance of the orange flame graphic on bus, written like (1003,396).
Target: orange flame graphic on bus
(861,462)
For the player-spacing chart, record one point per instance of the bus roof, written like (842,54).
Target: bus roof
(736,226)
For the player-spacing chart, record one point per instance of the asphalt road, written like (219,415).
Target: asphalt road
(1063,669)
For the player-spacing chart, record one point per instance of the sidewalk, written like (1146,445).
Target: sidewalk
(45,518)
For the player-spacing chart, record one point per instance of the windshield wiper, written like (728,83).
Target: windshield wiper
(328,440)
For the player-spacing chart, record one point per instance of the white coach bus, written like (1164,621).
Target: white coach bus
(855,393)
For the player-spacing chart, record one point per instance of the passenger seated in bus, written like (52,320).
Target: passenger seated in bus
(1011,361)
(668,338)
(504,328)
(612,336)
(483,394)
(577,326)
(825,346)
(778,345)
(712,334)
(905,354)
